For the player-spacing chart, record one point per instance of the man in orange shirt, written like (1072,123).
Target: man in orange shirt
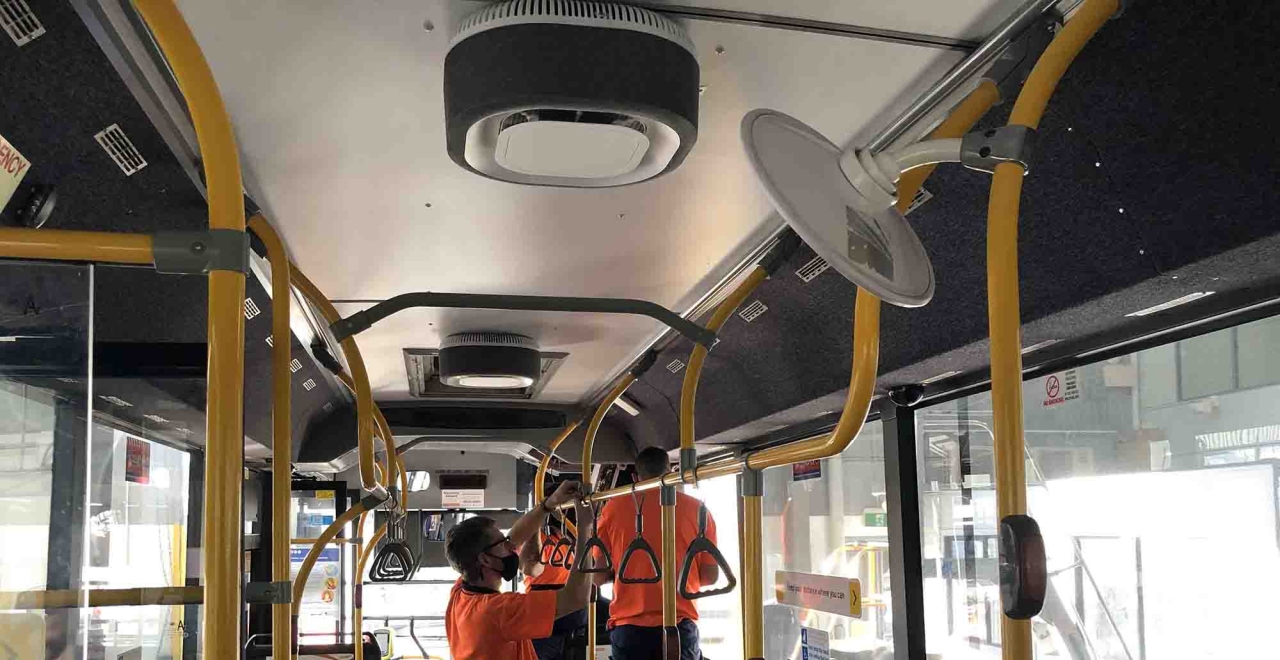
(480,622)
(635,618)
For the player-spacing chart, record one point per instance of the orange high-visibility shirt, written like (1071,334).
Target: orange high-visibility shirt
(641,604)
(485,625)
(552,576)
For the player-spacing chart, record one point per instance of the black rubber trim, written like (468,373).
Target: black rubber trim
(572,67)
(490,361)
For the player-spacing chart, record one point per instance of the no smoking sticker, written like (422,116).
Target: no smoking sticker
(1060,388)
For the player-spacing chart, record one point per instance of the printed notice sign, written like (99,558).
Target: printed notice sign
(1062,387)
(826,593)
(13,168)
(137,461)
(805,470)
(465,498)
(815,644)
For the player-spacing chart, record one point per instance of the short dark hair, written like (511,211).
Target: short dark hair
(652,462)
(463,544)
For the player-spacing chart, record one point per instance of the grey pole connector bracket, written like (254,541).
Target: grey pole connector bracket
(667,495)
(751,483)
(194,252)
(984,150)
(269,593)
(689,465)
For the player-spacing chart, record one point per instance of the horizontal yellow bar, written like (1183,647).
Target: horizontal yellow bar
(61,245)
(73,598)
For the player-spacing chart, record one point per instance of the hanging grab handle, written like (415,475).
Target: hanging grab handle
(594,542)
(700,545)
(562,550)
(642,546)
(548,546)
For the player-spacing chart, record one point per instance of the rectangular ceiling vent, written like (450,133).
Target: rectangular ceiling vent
(18,20)
(814,268)
(675,366)
(422,366)
(120,149)
(921,197)
(753,311)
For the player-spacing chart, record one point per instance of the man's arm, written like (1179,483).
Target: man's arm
(577,589)
(530,553)
(527,526)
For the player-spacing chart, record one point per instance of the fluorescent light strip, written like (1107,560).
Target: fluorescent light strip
(1036,347)
(627,406)
(934,379)
(1172,303)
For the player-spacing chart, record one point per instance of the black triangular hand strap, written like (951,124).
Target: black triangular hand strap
(700,545)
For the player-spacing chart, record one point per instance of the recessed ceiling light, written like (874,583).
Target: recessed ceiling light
(489,360)
(1036,347)
(934,379)
(495,382)
(627,406)
(1190,297)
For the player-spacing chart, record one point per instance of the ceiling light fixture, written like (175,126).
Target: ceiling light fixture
(491,360)
(1190,297)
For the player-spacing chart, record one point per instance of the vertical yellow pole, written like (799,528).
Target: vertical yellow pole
(751,484)
(670,572)
(281,428)
(1003,313)
(224,410)
(178,566)
(587,443)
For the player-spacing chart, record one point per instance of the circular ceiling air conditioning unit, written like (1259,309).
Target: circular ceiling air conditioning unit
(492,360)
(570,93)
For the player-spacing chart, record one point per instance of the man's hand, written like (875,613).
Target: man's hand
(564,493)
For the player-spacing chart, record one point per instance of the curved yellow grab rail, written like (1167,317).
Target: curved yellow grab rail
(540,479)
(281,427)
(224,436)
(359,381)
(596,420)
(689,389)
(1004,315)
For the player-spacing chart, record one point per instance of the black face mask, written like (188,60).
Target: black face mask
(510,565)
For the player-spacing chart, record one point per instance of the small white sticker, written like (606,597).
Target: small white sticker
(250,309)
(815,644)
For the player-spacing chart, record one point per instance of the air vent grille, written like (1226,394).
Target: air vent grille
(921,197)
(675,366)
(753,311)
(422,366)
(573,12)
(574,117)
(488,339)
(814,268)
(19,21)
(120,149)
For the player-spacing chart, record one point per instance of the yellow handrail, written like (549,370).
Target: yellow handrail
(281,426)
(68,245)
(224,444)
(1004,316)
(540,479)
(359,379)
(689,389)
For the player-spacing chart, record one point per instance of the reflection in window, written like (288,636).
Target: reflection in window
(1158,511)
(830,523)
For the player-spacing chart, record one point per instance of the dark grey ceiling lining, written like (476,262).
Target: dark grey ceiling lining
(1174,135)
(1171,103)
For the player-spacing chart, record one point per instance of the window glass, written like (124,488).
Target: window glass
(1258,341)
(1206,364)
(1131,492)
(829,521)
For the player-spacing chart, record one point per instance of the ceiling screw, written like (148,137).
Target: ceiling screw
(428,204)
(428,26)
(1142,251)
(719,50)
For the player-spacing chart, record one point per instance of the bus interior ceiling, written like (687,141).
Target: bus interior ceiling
(1153,179)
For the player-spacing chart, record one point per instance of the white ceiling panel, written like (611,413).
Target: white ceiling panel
(970,20)
(338,110)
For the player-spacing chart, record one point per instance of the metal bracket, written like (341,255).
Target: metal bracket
(1013,65)
(689,465)
(984,150)
(191,252)
(751,483)
(269,593)
(667,495)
